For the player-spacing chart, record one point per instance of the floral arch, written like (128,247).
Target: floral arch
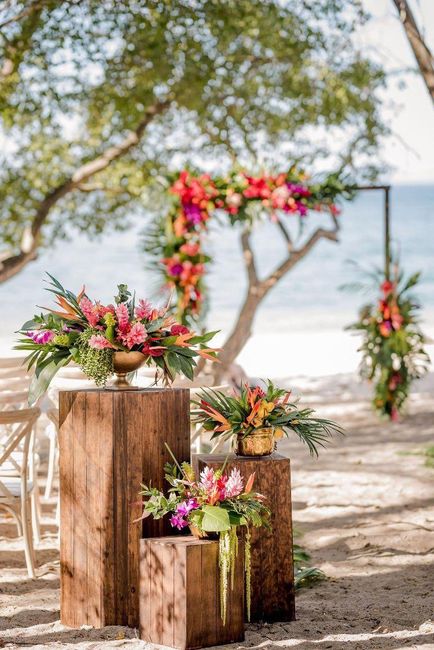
(177,241)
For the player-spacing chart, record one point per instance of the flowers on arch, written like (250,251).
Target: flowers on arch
(196,198)
(393,347)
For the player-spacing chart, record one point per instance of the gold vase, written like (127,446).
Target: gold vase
(123,364)
(258,443)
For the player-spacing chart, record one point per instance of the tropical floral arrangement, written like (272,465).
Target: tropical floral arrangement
(393,343)
(177,240)
(241,415)
(214,503)
(90,334)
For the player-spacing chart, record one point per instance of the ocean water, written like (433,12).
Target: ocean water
(299,327)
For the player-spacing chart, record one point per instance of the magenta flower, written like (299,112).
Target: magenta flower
(136,335)
(175,269)
(177,521)
(186,507)
(192,212)
(99,342)
(302,209)
(234,485)
(41,337)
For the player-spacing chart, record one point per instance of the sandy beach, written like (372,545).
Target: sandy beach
(365,510)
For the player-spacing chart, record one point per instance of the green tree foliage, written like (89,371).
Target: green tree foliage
(97,97)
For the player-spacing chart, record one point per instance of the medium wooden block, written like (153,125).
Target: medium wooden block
(110,443)
(180,594)
(273,596)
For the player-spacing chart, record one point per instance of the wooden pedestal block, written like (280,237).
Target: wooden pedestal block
(180,594)
(110,443)
(272,558)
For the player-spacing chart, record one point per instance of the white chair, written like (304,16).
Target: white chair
(16,486)
(11,400)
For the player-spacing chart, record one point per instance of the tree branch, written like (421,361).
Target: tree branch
(249,259)
(420,49)
(297,255)
(13,264)
(34,6)
(286,235)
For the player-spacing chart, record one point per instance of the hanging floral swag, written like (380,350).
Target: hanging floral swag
(176,241)
(393,353)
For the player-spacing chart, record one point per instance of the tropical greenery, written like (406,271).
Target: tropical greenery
(214,502)
(97,99)
(90,333)
(305,575)
(393,352)
(231,416)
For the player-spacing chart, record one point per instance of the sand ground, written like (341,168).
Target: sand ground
(366,511)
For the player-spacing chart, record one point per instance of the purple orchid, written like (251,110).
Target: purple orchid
(41,337)
(185,507)
(177,521)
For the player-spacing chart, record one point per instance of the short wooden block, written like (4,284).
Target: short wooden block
(272,557)
(110,443)
(180,594)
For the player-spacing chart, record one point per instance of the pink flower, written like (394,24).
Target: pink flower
(234,485)
(99,342)
(135,336)
(89,310)
(144,309)
(41,337)
(190,249)
(208,480)
(123,317)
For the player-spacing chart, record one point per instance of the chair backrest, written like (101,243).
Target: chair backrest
(18,429)
(14,375)
(13,399)
(6,363)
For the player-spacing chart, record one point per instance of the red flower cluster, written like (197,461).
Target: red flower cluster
(391,319)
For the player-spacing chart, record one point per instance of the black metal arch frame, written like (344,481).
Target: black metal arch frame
(386,189)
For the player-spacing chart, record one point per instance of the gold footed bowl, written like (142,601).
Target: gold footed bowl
(258,443)
(123,364)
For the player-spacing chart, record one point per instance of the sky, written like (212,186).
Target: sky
(408,110)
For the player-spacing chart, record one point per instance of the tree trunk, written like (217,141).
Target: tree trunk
(257,291)
(421,51)
(239,336)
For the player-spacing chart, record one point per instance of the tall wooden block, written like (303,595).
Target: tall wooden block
(180,594)
(110,443)
(272,558)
